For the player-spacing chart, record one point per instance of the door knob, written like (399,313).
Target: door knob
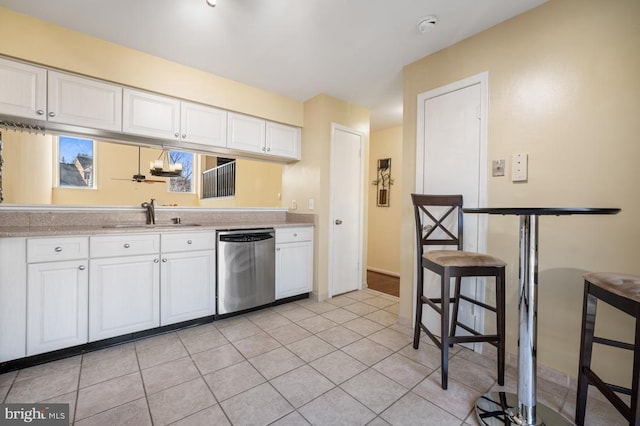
(338,222)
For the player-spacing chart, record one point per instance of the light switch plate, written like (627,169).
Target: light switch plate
(519,167)
(497,168)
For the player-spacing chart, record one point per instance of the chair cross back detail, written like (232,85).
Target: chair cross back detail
(454,202)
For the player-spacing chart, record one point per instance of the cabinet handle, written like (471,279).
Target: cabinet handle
(82,267)
(295,234)
(278,249)
(40,112)
(268,149)
(189,242)
(184,136)
(177,135)
(58,249)
(156,261)
(264,149)
(52,114)
(164,260)
(127,245)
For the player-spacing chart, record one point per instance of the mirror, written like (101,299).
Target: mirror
(30,176)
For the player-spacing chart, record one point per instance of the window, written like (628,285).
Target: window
(183,183)
(76,162)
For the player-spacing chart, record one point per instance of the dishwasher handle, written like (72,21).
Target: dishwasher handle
(245,238)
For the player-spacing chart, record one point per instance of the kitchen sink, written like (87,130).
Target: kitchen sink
(157,225)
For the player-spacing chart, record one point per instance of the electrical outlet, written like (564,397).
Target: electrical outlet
(294,204)
(311,204)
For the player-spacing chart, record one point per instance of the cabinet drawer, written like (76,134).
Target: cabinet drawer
(292,235)
(188,241)
(58,248)
(124,245)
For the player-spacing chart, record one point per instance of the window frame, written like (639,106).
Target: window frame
(195,161)
(56,163)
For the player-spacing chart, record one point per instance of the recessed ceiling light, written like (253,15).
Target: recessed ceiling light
(211,3)
(427,22)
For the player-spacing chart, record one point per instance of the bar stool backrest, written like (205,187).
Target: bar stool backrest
(426,231)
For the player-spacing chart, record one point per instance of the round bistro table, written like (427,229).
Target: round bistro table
(503,408)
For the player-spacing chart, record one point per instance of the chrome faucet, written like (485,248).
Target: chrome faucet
(151,211)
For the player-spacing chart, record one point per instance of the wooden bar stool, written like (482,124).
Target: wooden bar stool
(434,230)
(623,293)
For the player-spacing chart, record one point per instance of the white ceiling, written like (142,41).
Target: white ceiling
(351,49)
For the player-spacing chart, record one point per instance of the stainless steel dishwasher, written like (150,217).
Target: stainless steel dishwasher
(246,269)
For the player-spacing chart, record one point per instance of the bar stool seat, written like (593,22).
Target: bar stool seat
(622,292)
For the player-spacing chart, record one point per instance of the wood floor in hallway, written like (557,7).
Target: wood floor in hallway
(383,283)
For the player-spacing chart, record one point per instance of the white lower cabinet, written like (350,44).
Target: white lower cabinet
(124,292)
(294,261)
(124,295)
(188,286)
(187,276)
(13,298)
(57,287)
(56,305)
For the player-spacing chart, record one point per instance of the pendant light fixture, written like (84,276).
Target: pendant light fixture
(156,168)
(211,3)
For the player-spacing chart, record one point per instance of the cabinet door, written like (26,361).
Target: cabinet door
(147,114)
(203,125)
(13,298)
(124,295)
(294,269)
(84,102)
(56,305)
(23,90)
(283,141)
(246,133)
(188,286)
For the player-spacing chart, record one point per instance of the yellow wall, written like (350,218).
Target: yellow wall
(27,169)
(309,178)
(33,40)
(258,184)
(564,88)
(384,222)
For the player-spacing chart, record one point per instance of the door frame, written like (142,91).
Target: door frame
(332,185)
(482,79)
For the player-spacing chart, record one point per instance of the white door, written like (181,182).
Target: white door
(84,102)
(346,210)
(187,290)
(57,294)
(203,124)
(451,159)
(23,90)
(124,296)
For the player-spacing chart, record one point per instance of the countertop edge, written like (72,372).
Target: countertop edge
(27,231)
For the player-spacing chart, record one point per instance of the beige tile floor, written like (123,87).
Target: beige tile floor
(345,361)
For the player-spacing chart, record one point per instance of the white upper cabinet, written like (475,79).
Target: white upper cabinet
(259,136)
(23,90)
(283,141)
(56,100)
(246,133)
(203,124)
(84,102)
(147,114)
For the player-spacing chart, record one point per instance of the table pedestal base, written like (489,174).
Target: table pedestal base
(499,408)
